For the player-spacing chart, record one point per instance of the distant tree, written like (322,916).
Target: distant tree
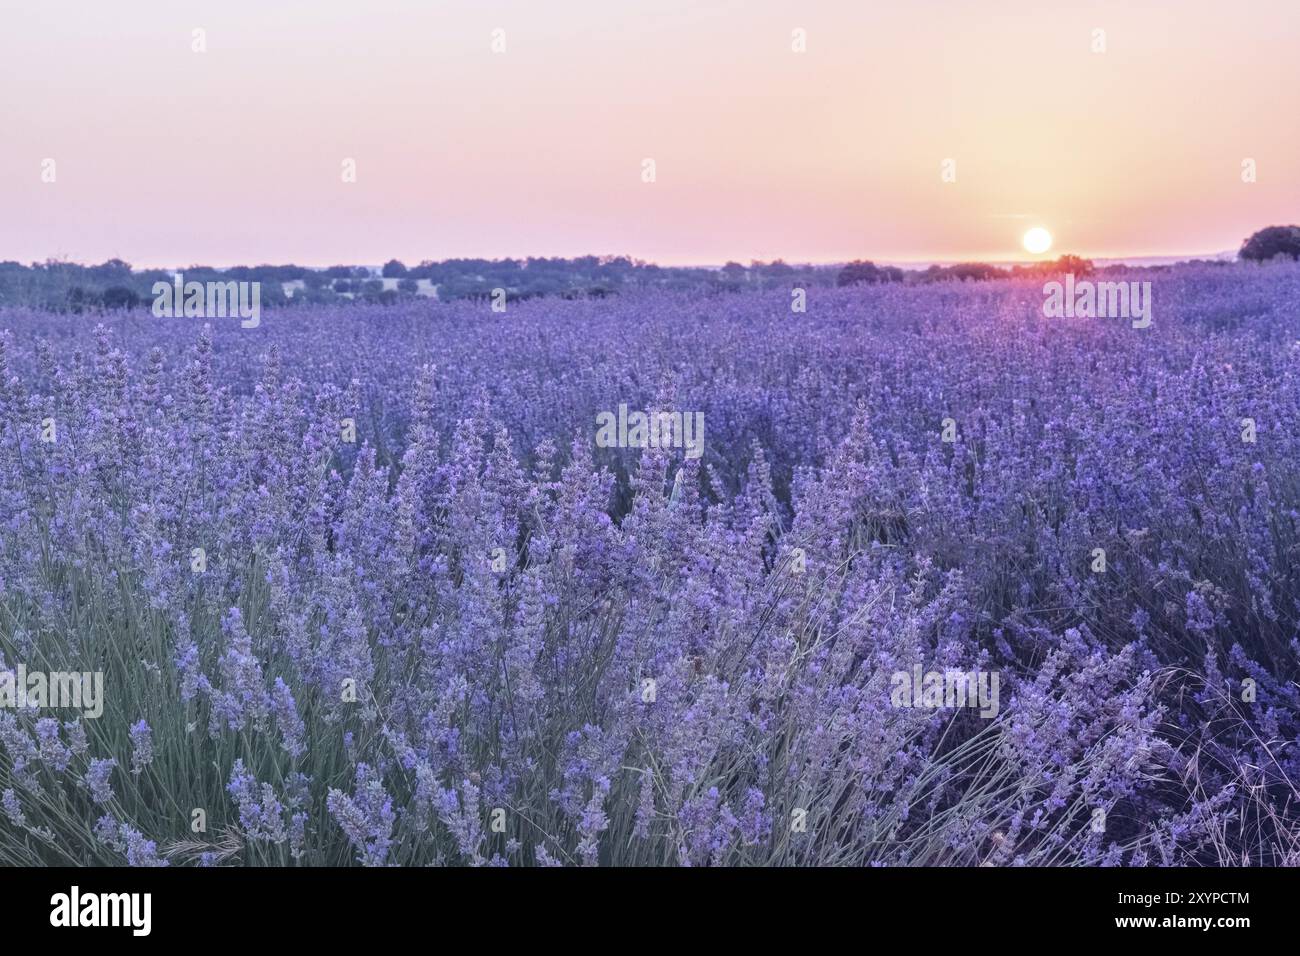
(861,270)
(114,270)
(320,294)
(146,279)
(972,271)
(393,269)
(372,286)
(79,299)
(409,286)
(120,297)
(1075,264)
(342,285)
(1272,241)
(272,293)
(976,271)
(290,273)
(339,272)
(453,286)
(264,273)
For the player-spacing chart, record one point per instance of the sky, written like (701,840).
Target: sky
(925,130)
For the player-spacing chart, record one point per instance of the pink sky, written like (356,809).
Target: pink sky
(169,157)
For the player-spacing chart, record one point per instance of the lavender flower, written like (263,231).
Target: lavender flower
(261,815)
(366,817)
(141,746)
(97,779)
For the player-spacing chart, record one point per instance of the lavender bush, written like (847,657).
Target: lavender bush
(473,637)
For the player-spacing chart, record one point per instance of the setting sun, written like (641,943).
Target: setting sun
(1038,240)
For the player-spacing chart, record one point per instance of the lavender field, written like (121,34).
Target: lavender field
(469,634)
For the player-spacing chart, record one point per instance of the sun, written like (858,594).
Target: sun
(1037,240)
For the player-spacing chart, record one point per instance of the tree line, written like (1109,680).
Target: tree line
(70,287)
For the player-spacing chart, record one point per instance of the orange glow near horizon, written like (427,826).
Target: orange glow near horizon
(902,133)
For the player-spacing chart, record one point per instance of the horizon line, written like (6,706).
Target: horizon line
(904,263)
